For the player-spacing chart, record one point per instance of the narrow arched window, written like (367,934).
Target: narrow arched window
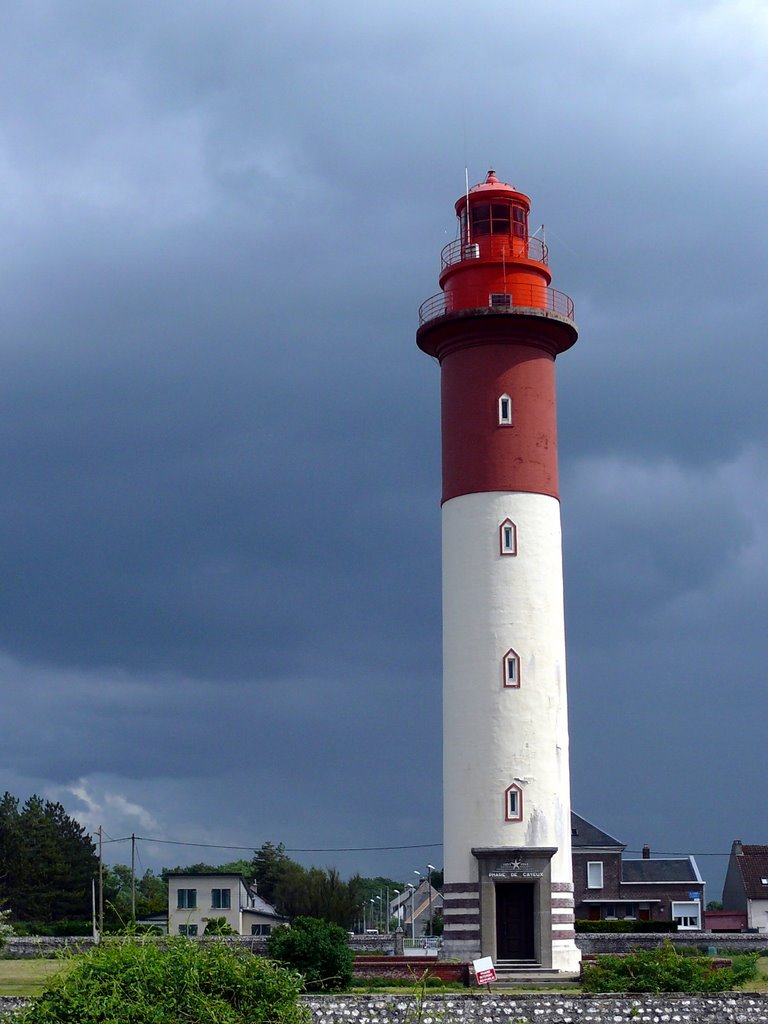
(508,538)
(511,669)
(505,411)
(513,803)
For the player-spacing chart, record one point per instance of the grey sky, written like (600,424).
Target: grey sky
(219,531)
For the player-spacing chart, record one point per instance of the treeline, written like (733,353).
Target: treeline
(47,862)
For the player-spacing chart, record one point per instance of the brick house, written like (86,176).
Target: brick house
(608,887)
(746,884)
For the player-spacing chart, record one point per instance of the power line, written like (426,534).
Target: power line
(293,849)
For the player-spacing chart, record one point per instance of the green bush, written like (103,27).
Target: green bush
(59,928)
(664,970)
(138,982)
(317,949)
(6,928)
(626,926)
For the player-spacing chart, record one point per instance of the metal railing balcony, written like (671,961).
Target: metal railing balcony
(523,297)
(496,247)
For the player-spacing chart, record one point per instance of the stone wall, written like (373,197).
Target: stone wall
(732,1008)
(623,942)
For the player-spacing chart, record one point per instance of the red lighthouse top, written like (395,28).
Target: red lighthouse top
(495,265)
(497,327)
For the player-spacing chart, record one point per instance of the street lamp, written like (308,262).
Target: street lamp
(413,893)
(430,869)
(395,892)
(381,913)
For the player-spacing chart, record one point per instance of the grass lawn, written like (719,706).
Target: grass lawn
(760,984)
(27,977)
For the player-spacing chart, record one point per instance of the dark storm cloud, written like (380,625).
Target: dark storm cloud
(219,530)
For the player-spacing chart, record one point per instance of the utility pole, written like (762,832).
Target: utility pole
(133,878)
(101,880)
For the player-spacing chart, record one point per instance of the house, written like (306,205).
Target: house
(746,884)
(412,908)
(608,886)
(195,898)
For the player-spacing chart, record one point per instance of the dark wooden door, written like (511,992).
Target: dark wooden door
(514,921)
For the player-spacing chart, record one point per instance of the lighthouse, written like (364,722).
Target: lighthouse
(496,328)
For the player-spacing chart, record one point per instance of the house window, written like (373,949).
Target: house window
(505,411)
(190,930)
(512,669)
(221,899)
(513,803)
(186,899)
(261,929)
(687,915)
(508,538)
(594,874)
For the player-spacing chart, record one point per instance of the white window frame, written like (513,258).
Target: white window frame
(507,538)
(594,871)
(513,803)
(511,669)
(505,411)
(686,921)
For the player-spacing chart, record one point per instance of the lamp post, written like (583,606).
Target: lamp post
(408,885)
(430,869)
(395,892)
(381,922)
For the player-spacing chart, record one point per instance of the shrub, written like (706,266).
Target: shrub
(664,970)
(626,926)
(148,983)
(317,949)
(6,928)
(219,926)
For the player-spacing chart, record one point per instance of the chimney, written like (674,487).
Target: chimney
(646,853)
(737,848)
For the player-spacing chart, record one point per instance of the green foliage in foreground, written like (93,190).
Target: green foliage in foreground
(181,980)
(318,950)
(664,970)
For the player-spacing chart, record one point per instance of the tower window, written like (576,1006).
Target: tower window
(505,411)
(513,803)
(508,538)
(512,669)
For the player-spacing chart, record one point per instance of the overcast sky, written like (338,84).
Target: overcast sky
(219,517)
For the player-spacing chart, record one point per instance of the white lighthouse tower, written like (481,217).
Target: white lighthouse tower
(496,328)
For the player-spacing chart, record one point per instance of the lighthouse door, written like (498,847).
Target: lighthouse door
(514,921)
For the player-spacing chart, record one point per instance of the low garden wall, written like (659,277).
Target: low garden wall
(624,942)
(731,1008)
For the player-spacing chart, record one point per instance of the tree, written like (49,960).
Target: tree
(47,861)
(318,950)
(151,895)
(269,864)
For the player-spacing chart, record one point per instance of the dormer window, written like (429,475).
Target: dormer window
(513,803)
(512,669)
(508,538)
(505,411)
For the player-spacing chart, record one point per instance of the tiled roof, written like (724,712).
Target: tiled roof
(585,834)
(753,864)
(678,869)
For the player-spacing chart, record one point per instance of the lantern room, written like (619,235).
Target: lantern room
(494,262)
